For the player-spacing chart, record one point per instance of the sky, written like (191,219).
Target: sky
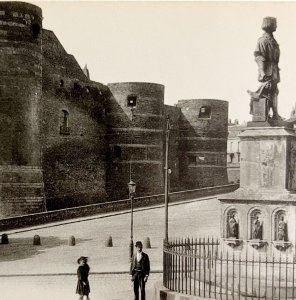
(196,49)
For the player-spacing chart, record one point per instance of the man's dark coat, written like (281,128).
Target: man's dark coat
(145,264)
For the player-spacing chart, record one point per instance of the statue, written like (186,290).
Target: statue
(267,54)
(233,227)
(282,229)
(257,229)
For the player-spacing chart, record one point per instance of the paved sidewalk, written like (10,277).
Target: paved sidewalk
(55,256)
(103,287)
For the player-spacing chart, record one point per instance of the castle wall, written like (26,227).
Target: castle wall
(73,149)
(20,83)
(21,184)
(203,142)
(135,142)
(78,141)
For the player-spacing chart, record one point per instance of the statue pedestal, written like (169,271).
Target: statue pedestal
(270,122)
(260,110)
(257,243)
(232,242)
(281,245)
(267,185)
(268,159)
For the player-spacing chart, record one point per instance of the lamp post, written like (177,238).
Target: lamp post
(131,103)
(166,178)
(131,189)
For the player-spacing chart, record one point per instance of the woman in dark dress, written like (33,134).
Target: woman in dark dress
(82,274)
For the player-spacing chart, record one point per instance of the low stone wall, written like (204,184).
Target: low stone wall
(105,207)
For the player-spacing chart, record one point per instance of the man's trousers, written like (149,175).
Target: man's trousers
(139,284)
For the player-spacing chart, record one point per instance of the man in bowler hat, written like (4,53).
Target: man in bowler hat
(140,269)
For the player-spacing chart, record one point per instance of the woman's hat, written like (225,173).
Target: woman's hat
(83,258)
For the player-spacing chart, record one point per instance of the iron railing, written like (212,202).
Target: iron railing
(202,267)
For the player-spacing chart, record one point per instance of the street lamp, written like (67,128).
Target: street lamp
(166,178)
(132,190)
(131,103)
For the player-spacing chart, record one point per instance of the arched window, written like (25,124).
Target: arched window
(64,121)
(232,224)
(205,112)
(280,226)
(256,222)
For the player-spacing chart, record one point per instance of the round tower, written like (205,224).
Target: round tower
(135,138)
(20,94)
(203,142)
(20,82)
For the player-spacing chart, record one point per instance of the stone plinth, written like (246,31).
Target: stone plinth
(268,158)
(267,189)
(259,110)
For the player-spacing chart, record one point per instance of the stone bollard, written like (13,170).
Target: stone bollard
(109,242)
(72,241)
(4,239)
(147,243)
(36,240)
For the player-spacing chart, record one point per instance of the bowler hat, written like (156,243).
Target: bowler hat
(138,244)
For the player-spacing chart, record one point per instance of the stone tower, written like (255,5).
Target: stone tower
(135,136)
(21,179)
(203,142)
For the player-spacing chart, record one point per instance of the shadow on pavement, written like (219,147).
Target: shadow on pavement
(21,248)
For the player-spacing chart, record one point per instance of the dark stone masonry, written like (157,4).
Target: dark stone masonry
(68,141)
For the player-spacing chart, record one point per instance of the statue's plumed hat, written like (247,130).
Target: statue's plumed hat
(269,22)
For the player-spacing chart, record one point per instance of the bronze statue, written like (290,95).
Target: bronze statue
(267,54)
(233,227)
